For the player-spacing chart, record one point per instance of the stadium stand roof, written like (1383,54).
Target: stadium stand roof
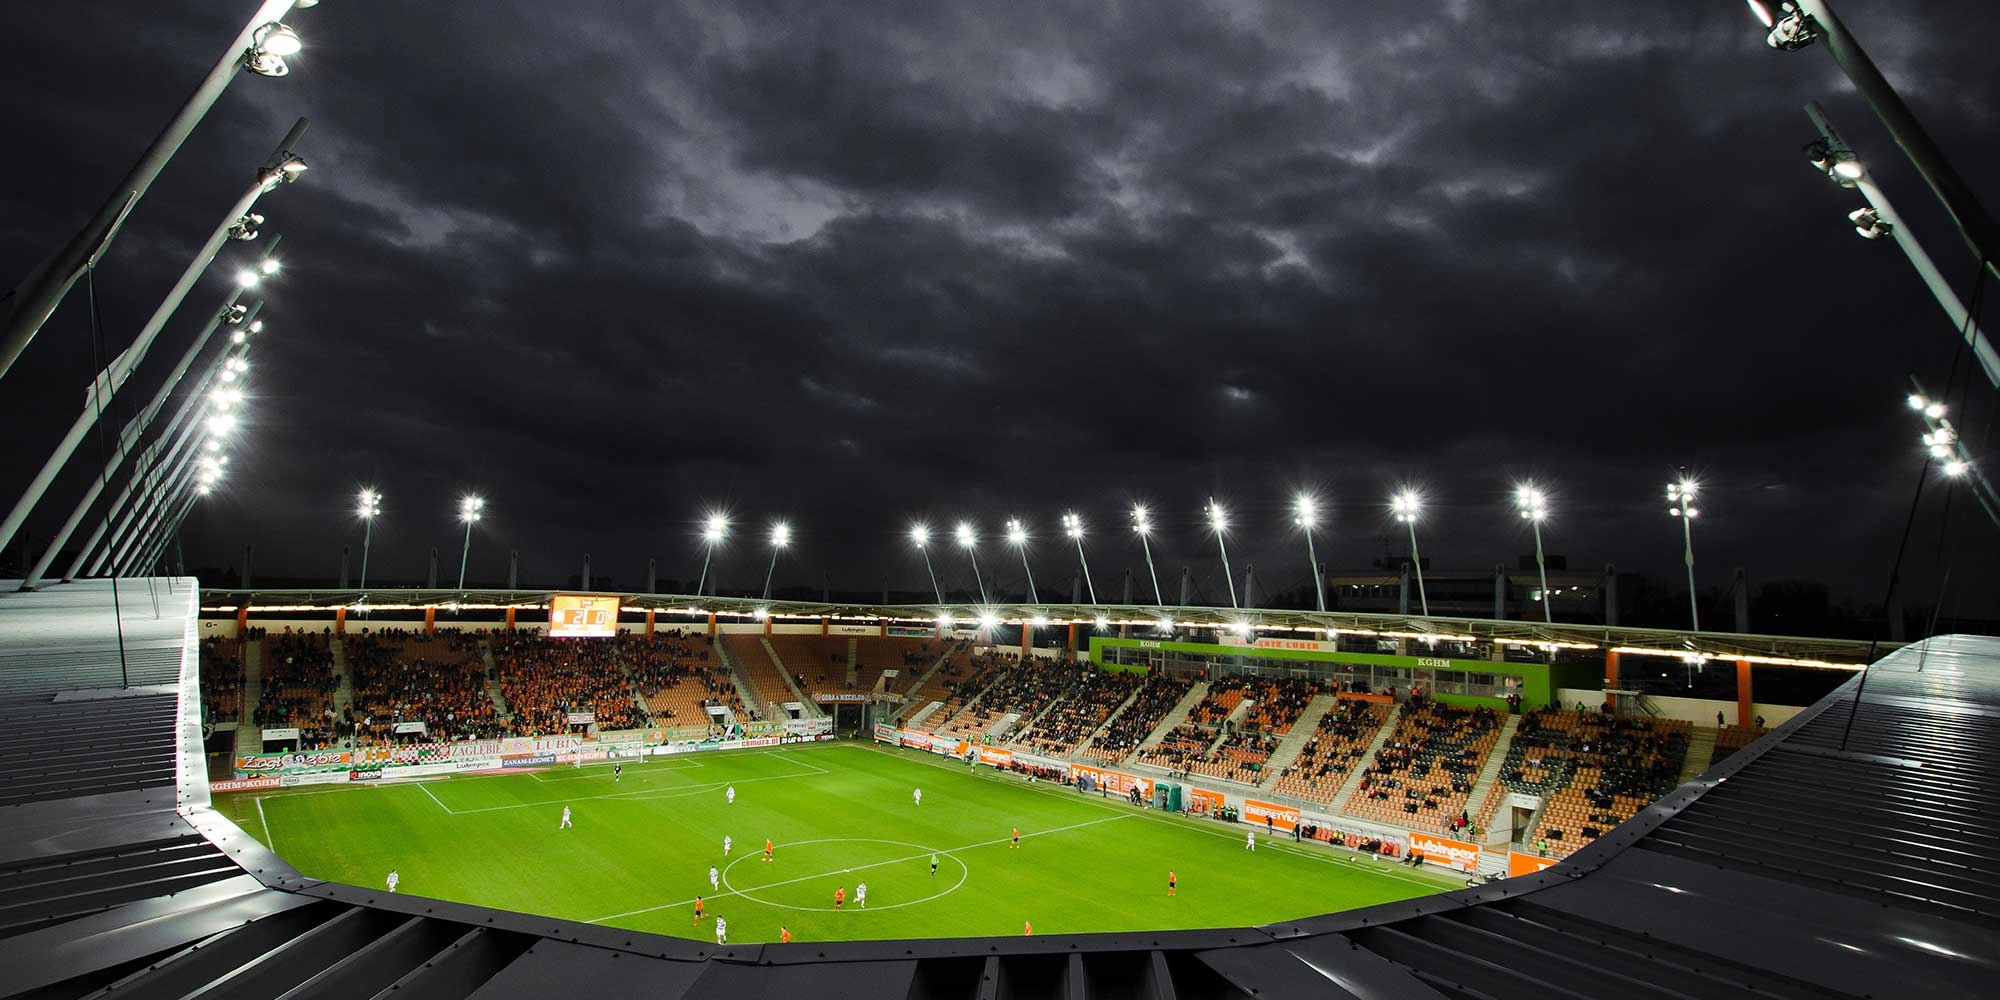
(1814,863)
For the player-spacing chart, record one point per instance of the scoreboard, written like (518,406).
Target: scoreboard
(583,616)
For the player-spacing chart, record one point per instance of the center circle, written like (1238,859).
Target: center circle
(827,864)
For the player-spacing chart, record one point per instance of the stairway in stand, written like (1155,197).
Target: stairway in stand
(632,685)
(1296,740)
(1353,782)
(1701,753)
(493,682)
(1482,786)
(1105,726)
(343,692)
(853,663)
(1175,716)
(249,732)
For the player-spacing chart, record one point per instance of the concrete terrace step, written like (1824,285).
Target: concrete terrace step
(977,698)
(1295,741)
(1175,716)
(853,663)
(1106,726)
(1353,782)
(923,713)
(1489,774)
(493,683)
(343,692)
(250,735)
(1701,753)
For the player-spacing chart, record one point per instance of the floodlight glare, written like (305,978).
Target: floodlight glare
(965,535)
(1307,514)
(1532,503)
(762,613)
(237,337)
(256,326)
(1934,410)
(1016,533)
(1140,522)
(247,278)
(1072,525)
(1918,402)
(716,527)
(1218,519)
(1103,623)
(1038,622)
(781,535)
(988,620)
(470,508)
(221,423)
(371,504)
(269,265)
(1407,505)
(278,39)
(920,535)
(1955,468)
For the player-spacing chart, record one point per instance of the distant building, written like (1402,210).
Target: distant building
(1390,587)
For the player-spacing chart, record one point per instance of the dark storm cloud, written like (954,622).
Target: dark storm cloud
(854,263)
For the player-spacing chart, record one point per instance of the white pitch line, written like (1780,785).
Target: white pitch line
(857,868)
(270,842)
(1440,884)
(427,791)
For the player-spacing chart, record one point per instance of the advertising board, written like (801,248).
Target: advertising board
(1115,782)
(243,785)
(1443,851)
(995,758)
(579,718)
(841,699)
(1519,864)
(1280,817)
(277,735)
(271,763)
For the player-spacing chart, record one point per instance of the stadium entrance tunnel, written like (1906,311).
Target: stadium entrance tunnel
(805,875)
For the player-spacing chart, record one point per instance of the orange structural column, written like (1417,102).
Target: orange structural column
(825,628)
(1743,700)
(1611,678)
(242,620)
(1027,640)
(430,620)
(711,623)
(510,619)
(649,621)
(768,623)
(340,621)
(1072,640)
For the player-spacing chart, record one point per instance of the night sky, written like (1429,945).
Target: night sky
(612,264)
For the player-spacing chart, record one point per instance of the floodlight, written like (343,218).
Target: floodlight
(234,314)
(1016,533)
(1532,503)
(716,527)
(1869,224)
(1762,11)
(762,613)
(781,535)
(1072,525)
(1956,468)
(470,508)
(246,278)
(237,337)
(371,504)
(268,266)
(920,535)
(1407,505)
(1140,521)
(1218,519)
(221,423)
(1934,410)
(1038,622)
(1836,162)
(269,45)
(1307,514)
(965,535)
(1918,402)
(256,326)
(1103,623)
(988,620)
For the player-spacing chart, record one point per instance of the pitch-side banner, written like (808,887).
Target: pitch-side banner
(840,699)
(1116,782)
(1443,851)
(1519,864)
(527,746)
(243,785)
(1281,817)
(996,758)
(887,734)
(274,763)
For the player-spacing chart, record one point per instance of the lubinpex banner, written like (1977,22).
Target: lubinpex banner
(1443,851)
(996,758)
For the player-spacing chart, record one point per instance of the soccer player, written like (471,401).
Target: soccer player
(784,934)
(839,897)
(393,879)
(721,931)
(726,842)
(576,762)
(617,770)
(714,879)
(934,866)
(1027,929)
(566,824)
(697,909)
(1173,885)
(1251,843)
(1017,839)
(917,796)
(861,895)
(730,795)
(767,848)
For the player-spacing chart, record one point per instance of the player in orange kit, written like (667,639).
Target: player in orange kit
(767,849)
(1173,887)
(784,935)
(1017,838)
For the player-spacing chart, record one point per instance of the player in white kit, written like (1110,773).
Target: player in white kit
(725,845)
(393,879)
(721,931)
(714,878)
(566,824)
(861,895)
(1251,843)
(730,795)
(917,796)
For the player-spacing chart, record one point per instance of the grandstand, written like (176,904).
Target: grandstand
(1087,697)
(404,676)
(1423,774)
(1157,695)
(678,677)
(1336,747)
(297,686)
(221,679)
(819,663)
(545,680)
(762,673)
(1219,741)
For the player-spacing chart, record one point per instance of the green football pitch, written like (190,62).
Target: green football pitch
(839,815)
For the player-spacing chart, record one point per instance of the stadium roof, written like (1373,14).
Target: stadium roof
(1815,863)
(1677,643)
